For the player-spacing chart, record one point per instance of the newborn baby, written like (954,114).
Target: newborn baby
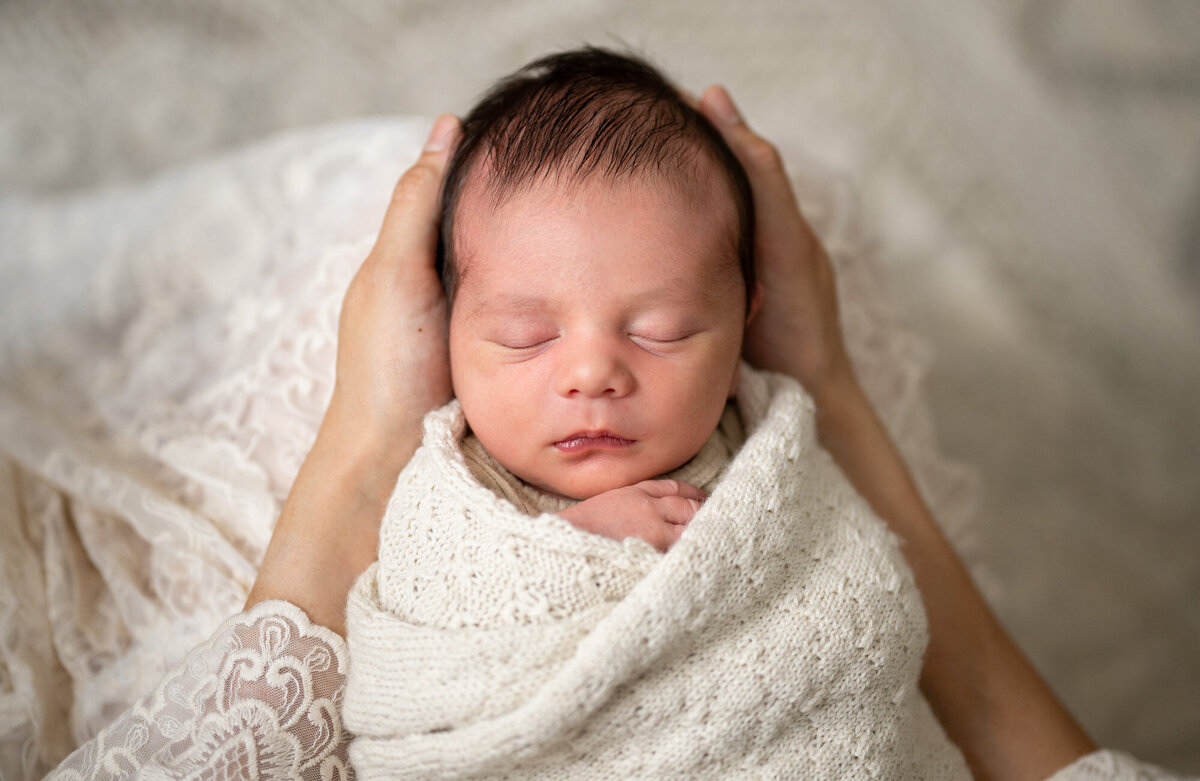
(597,260)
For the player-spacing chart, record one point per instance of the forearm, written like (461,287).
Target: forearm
(987,695)
(392,368)
(328,531)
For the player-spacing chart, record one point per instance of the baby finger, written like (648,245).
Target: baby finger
(677,509)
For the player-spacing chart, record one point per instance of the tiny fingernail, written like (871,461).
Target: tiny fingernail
(695,504)
(439,134)
(723,104)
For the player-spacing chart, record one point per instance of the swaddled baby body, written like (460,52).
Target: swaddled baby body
(597,260)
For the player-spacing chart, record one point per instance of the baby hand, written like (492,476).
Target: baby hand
(655,510)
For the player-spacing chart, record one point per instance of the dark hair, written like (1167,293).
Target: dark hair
(583,112)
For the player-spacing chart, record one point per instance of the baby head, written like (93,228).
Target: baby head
(597,255)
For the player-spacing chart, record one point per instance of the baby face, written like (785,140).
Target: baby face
(597,327)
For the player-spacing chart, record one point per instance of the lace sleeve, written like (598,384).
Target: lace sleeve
(261,699)
(1109,765)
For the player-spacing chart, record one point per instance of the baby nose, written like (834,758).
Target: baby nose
(594,371)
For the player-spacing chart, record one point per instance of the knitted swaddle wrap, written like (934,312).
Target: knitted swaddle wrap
(780,637)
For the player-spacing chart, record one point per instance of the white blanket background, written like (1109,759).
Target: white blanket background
(1029,170)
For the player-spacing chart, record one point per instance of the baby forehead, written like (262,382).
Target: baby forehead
(697,210)
(621,235)
(643,233)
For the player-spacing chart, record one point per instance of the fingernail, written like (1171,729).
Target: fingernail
(695,504)
(723,105)
(439,135)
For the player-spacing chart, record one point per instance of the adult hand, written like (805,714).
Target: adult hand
(392,368)
(796,329)
(392,361)
(989,698)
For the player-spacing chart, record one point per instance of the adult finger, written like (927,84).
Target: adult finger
(774,201)
(757,155)
(410,227)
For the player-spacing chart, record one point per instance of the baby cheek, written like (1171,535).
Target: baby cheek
(471,382)
(494,396)
(709,397)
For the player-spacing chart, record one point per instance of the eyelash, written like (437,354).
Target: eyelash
(635,337)
(525,347)
(659,346)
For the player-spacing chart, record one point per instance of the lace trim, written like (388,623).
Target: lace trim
(263,699)
(1108,765)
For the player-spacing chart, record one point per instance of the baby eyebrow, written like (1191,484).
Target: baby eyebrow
(674,295)
(510,304)
(525,305)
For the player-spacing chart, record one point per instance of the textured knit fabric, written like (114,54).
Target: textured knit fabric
(781,636)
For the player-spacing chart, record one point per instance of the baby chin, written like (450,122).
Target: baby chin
(581,470)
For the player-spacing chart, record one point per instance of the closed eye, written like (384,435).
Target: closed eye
(524,345)
(660,340)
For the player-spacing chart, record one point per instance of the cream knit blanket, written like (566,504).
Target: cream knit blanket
(780,637)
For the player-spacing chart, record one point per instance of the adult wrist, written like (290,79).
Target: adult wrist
(327,534)
(834,386)
(375,450)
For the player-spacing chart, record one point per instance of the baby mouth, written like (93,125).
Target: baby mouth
(593,440)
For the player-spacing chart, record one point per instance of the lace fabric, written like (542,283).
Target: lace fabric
(166,353)
(262,699)
(1109,765)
